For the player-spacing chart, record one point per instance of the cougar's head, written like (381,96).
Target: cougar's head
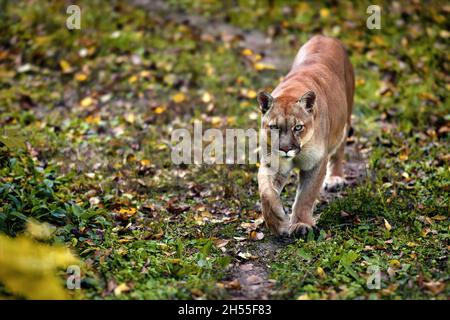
(293,119)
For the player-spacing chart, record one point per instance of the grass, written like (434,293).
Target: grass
(97,106)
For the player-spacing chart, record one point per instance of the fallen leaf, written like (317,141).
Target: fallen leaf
(65,66)
(86,102)
(197,292)
(260,66)
(321,273)
(324,13)
(130,118)
(256,235)
(123,287)
(206,97)
(159,110)
(234,284)
(221,243)
(247,52)
(94,201)
(179,97)
(125,214)
(80,77)
(246,255)
(387,225)
(132,79)
(395,263)
(435,286)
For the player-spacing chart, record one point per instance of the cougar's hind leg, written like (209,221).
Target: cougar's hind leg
(335,180)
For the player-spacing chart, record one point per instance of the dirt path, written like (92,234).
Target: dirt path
(249,279)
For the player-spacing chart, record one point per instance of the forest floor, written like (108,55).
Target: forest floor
(97,107)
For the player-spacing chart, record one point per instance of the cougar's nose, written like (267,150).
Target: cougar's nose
(285,149)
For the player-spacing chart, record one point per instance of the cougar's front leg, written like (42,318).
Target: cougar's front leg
(307,192)
(270,186)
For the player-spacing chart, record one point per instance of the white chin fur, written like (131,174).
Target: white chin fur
(287,155)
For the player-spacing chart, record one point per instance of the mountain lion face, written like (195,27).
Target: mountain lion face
(293,119)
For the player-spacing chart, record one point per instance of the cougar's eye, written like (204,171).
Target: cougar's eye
(273,127)
(299,127)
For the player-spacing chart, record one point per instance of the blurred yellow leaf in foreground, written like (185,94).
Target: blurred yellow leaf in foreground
(40,231)
(28,268)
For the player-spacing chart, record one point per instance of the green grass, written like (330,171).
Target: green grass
(99,168)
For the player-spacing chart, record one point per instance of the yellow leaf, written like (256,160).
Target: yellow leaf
(216,120)
(28,268)
(159,110)
(360,82)
(206,97)
(121,288)
(303,297)
(80,77)
(179,97)
(127,213)
(387,225)
(39,230)
(42,40)
(130,118)
(145,74)
(86,102)
(65,66)
(251,94)
(321,273)
(259,66)
(209,69)
(145,162)
(378,40)
(132,79)
(231,120)
(438,218)
(175,261)
(395,263)
(247,52)
(93,119)
(324,13)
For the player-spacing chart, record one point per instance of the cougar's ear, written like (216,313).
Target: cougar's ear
(307,101)
(265,101)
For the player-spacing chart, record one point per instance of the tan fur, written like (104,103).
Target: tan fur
(311,108)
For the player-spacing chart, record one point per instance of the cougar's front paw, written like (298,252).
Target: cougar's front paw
(274,215)
(334,183)
(300,228)
(278,225)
